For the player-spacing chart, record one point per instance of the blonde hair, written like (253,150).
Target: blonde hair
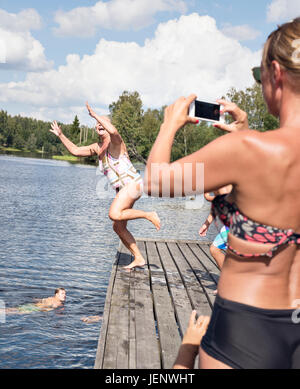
(283,46)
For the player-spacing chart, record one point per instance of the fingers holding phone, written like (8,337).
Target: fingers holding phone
(176,115)
(239,116)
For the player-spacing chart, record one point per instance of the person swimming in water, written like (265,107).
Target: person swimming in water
(46,304)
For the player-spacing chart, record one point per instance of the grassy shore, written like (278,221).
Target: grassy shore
(10,149)
(70,158)
(65,158)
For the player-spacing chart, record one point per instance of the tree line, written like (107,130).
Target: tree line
(137,126)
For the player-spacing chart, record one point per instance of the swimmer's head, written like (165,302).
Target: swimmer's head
(60,293)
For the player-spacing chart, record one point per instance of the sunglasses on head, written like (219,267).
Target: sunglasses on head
(257,74)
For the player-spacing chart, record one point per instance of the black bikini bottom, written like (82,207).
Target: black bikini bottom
(246,337)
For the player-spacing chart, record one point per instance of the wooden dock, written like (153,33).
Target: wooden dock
(147,310)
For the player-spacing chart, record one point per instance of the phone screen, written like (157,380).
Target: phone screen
(207,110)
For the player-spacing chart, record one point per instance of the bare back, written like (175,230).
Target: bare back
(267,192)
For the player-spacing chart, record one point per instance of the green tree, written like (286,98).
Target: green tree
(127,116)
(19,141)
(75,129)
(31,143)
(251,101)
(151,123)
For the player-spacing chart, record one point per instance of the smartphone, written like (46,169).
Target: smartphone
(204,110)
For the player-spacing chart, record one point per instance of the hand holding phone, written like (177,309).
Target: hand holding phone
(239,116)
(207,111)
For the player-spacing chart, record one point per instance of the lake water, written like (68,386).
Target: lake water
(55,232)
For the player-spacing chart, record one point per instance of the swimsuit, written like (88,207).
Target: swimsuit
(244,336)
(220,240)
(28,308)
(244,228)
(119,171)
(247,337)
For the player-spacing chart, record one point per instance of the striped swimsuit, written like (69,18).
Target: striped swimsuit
(119,171)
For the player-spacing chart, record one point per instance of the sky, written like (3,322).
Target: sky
(56,55)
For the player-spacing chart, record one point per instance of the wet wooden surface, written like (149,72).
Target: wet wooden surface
(147,310)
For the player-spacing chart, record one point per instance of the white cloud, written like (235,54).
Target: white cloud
(2,51)
(283,10)
(22,52)
(185,56)
(113,14)
(60,113)
(26,20)
(19,49)
(241,33)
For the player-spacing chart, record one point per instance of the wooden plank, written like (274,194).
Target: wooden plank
(166,320)
(194,289)
(208,263)
(147,346)
(205,249)
(168,240)
(181,301)
(116,353)
(132,337)
(105,321)
(206,281)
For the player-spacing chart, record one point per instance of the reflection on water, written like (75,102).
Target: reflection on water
(55,232)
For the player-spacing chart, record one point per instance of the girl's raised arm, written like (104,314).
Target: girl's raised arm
(84,151)
(106,124)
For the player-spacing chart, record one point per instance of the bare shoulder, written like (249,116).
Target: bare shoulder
(273,150)
(234,144)
(264,141)
(47,301)
(276,141)
(96,147)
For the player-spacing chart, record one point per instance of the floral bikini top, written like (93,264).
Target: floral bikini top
(244,228)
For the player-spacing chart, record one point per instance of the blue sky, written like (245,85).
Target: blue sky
(60,53)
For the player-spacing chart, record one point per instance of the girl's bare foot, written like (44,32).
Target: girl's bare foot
(138,262)
(153,218)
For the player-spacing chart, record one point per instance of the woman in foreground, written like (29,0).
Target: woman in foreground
(114,162)
(253,323)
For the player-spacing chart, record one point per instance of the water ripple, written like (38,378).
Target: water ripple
(55,232)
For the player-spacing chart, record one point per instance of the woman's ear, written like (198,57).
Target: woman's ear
(276,73)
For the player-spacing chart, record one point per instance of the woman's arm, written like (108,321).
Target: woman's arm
(240,117)
(213,166)
(106,124)
(84,151)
